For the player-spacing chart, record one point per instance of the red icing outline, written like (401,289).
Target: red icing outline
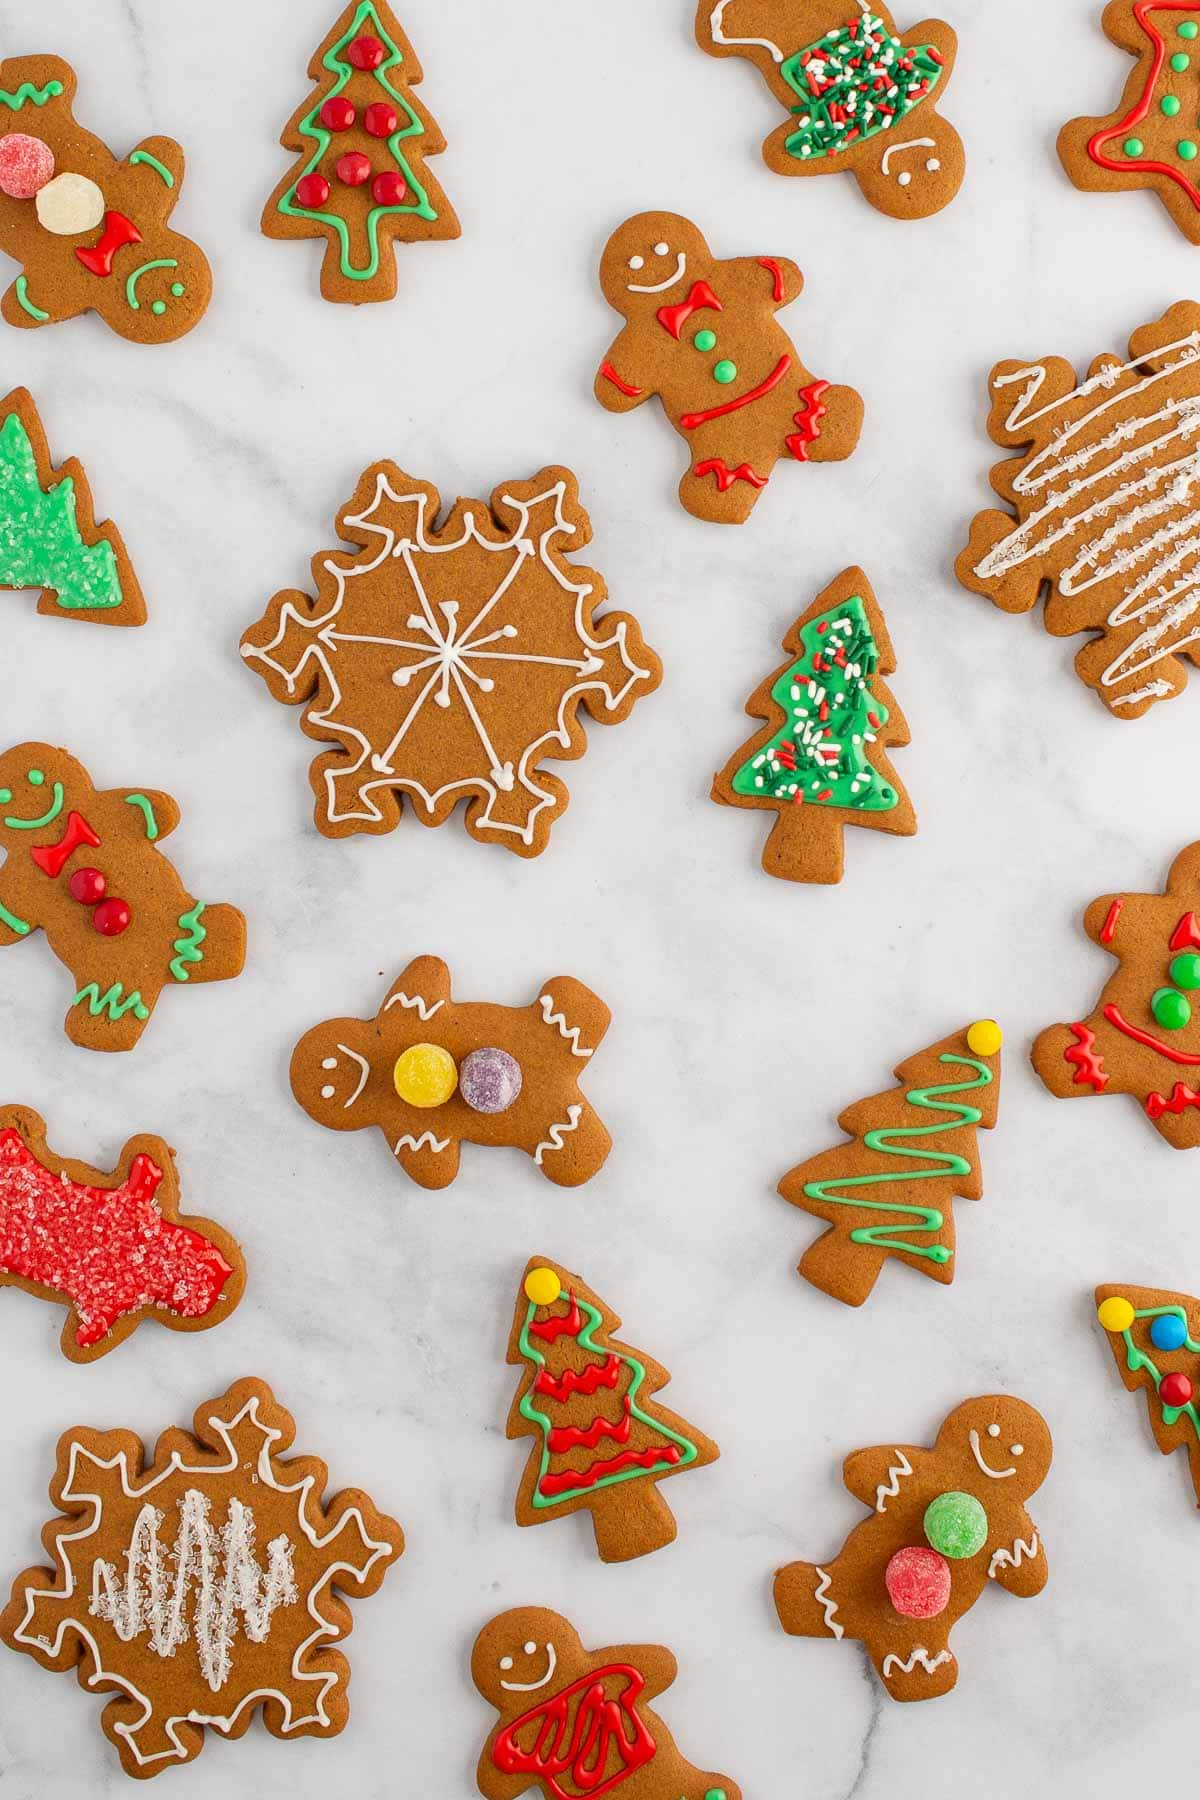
(582,1746)
(809,421)
(1142,10)
(700,299)
(690,421)
(716,465)
(610,374)
(550,1485)
(559,1324)
(776,273)
(118,231)
(1186,935)
(52,859)
(1182,1097)
(1115,1017)
(1089,1066)
(1109,929)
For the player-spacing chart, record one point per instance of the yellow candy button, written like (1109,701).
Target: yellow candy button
(542,1286)
(984,1037)
(1115,1313)
(426,1075)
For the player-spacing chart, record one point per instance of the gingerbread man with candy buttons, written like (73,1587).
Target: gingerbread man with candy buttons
(701,333)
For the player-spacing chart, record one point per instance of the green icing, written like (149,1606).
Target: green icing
(823,760)
(27,92)
(21,287)
(116,1002)
(40,542)
(1136,1359)
(152,162)
(160,262)
(22,927)
(855,82)
(311,127)
(147,811)
(187,947)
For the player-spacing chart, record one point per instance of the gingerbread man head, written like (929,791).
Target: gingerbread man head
(997,1448)
(649,256)
(523,1652)
(36,783)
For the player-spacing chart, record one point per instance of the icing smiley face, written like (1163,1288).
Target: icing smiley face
(521,1656)
(1003,1444)
(517,1672)
(650,255)
(38,804)
(662,254)
(334,1060)
(993,1473)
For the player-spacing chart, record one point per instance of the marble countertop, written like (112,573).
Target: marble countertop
(746,1011)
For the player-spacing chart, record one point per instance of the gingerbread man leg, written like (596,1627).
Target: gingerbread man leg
(827,423)
(721,493)
(112,1015)
(211,945)
(918,1667)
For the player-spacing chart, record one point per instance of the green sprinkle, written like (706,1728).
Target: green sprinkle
(725,372)
(705,340)
(1170,104)
(1189,29)
(1187,150)
(1180,61)
(1134,146)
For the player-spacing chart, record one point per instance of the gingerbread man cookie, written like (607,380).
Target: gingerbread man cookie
(1154,1336)
(576,1723)
(202,1584)
(701,333)
(860,96)
(1143,1038)
(84,865)
(432,1073)
(945,1521)
(90,232)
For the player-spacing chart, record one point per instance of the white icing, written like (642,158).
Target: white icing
(993,1430)
(424,1010)
(531,1687)
(716,21)
(557,1133)
(920,1655)
(570,1032)
(426,1141)
(977,1453)
(659,287)
(327,1092)
(1022,1549)
(637,262)
(329,1062)
(888,1490)
(828,1606)
(506,1662)
(899,149)
(364,1070)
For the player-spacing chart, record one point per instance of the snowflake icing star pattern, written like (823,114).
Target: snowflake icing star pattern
(447,662)
(200,1587)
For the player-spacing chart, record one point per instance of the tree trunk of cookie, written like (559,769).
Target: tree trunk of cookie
(802,848)
(847,1271)
(630,1519)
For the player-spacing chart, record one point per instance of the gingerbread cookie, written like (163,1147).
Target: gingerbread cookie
(113,1247)
(861,97)
(891,1191)
(1152,140)
(360,179)
(603,1442)
(945,1521)
(203,1584)
(91,233)
(1106,512)
(820,762)
(1142,1038)
(448,663)
(1151,1335)
(83,864)
(433,1073)
(576,1722)
(49,537)
(702,335)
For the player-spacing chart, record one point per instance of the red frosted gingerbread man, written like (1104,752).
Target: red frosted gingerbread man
(701,333)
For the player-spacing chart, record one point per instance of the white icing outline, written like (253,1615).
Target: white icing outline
(977,1453)
(919,1655)
(570,1032)
(1022,1549)
(425,1011)
(426,1140)
(717,19)
(558,1132)
(828,1607)
(531,1687)
(660,287)
(326,1679)
(365,1069)
(446,668)
(889,1489)
(912,144)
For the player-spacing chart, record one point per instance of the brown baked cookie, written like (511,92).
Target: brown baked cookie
(860,97)
(113,1247)
(432,1073)
(49,537)
(1153,1335)
(891,1190)
(83,864)
(701,333)
(449,662)
(945,1521)
(603,1441)
(577,1722)
(1142,1039)
(820,762)
(1106,514)
(361,139)
(1153,138)
(202,1584)
(91,233)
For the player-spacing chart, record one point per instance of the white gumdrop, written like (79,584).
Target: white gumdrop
(69,204)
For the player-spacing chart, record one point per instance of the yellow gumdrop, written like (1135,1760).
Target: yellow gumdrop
(542,1286)
(1115,1313)
(984,1037)
(426,1075)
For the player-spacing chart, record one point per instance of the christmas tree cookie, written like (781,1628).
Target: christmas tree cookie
(1152,140)
(49,538)
(602,1441)
(1154,1336)
(820,762)
(860,96)
(944,1523)
(360,179)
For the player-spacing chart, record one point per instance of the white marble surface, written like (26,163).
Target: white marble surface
(746,1011)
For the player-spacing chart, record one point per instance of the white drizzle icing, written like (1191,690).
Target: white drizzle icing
(906,1665)
(424,1010)
(828,1606)
(716,22)
(1022,1549)
(888,1490)
(557,1133)
(364,1071)
(570,1032)
(424,1142)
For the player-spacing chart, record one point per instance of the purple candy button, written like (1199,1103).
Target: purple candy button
(489,1080)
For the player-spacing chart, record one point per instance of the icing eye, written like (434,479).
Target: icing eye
(330,1062)
(637,262)
(36,778)
(933,165)
(661,249)
(5,796)
(328,1091)
(506,1662)
(993,1431)
(1016,1449)
(529,1649)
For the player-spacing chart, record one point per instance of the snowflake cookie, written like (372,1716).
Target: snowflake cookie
(448,661)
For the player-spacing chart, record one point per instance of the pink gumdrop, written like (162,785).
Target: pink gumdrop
(26,165)
(918,1582)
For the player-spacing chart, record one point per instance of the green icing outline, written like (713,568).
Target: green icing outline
(147,812)
(160,262)
(188,948)
(144,156)
(20,926)
(116,1003)
(47,818)
(21,286)
(27,91)
(1136,1359)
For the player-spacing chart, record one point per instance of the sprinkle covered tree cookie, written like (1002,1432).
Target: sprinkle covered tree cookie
(944,1523)
(1154,1337)
(576,1722)
(360,179)
(861,97)
(890,1190)
(201,1584)
(820,762)
(602,1440)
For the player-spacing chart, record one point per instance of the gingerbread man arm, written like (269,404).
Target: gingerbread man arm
(159,812)
(782,276)
(617,386)
(1020,1566)
(656,1663)
(161,158)
(878,1475)
(13,928)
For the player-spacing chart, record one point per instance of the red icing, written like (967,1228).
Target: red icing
(1089,1068)
(690,421)
(580,1734)
(111,917)
(1146,165)
(354,168)
(1175,1390)
(338,113)
(610,374)
(1116,1017)
(558,1325)
(87,886)
(381,119)
(1108,930)
(1182,1097)
(312,190)
(107,1250)
(776,274)
(118,231)
(366,52)
(1186,935)
(809,421)
(716,465)
(389,188)
(700,299)
(918,1582)
(550,1485)
(596,1375)
(561,1438)
(52,859)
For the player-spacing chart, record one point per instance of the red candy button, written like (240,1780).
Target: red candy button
(366,52)
(312,190)
(918,1582)
(1174,1390)
(338,113)
(354,168)
(381,118)
(111,918)
(389,188)
(87,886)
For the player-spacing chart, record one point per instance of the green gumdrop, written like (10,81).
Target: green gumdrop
(956,1525)
(1170,1009)
(1185,970)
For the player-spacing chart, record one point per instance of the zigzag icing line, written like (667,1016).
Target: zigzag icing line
(426,1140)
(828,1607)
(1015,1557)
(424,1009)
(570,1032)
(919,1655)
(558,1132)
(889,1489)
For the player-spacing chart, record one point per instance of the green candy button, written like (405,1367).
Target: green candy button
(1180,61)
(1133,146)
(725,372)
(705,340)
(1170,1009)
(1185,970)
(1187,150)
(1189,29)
(1169,105)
